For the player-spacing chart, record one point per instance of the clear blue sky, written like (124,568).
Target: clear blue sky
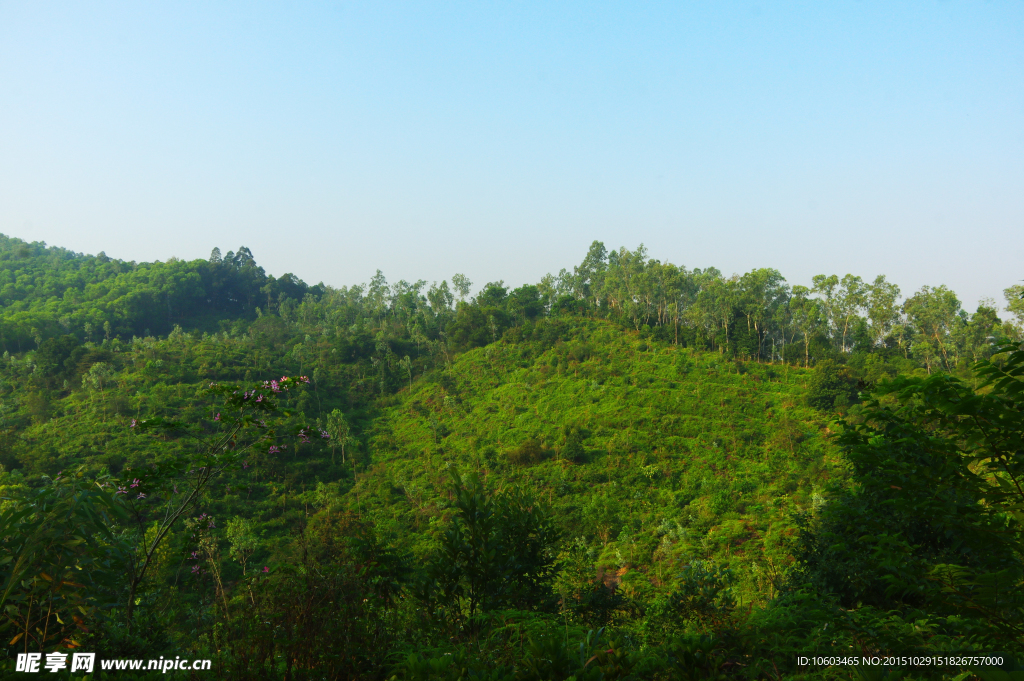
(500,139)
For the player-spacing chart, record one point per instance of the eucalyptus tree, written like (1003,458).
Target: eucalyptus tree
(851,299)
(974,338)
(1015,305)
(681,292)
(627,284)
(462,285)
(406,363)
(807,316)
(761,292)
(934,314)
(782,330)
(384,360)
(377,298)
(615,289)
(441,300)
(825,288)
(589,277)
(695,315)
(841,300)
(547,288)
(565,283)
(340,433)
(713,306)
(883,312)
(406,301)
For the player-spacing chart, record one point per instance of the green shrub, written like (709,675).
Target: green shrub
(530,452)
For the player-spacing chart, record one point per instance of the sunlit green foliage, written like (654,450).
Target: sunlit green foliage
(630,470)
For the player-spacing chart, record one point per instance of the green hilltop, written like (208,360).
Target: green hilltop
(667,440)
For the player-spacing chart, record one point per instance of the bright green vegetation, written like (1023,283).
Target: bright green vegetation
(632,470)
(677,453)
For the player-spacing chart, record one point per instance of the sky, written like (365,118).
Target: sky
(499,139)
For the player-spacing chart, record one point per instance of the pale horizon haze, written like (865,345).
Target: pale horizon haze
(500,139)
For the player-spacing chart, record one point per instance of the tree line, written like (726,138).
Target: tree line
(47,292)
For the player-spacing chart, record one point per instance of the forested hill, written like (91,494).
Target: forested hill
(629,444)
(48,291)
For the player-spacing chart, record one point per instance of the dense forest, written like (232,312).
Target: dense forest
(629,470)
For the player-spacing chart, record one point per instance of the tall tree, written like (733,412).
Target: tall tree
(882,309)
(807,317)
(851,298)
(761,293)
(462,285)
(589,276)
(339,432)
(825,287)
(1015,306)
(934,314)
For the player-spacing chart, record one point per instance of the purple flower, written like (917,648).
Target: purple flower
(121,490)
(324,434)
(217,417)
(134,422)
(141,496)
(195,569)
(266,569)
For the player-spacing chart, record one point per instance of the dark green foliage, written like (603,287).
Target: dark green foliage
(47,292)
(574,450)
(54,353)
(496,553)
(831,387)
(931,525)
(583,596)
(546,657)
(702,595)
(329,612)
(59,562)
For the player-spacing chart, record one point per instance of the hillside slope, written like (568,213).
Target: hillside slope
(683,453)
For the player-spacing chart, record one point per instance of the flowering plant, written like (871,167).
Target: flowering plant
(244,420)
